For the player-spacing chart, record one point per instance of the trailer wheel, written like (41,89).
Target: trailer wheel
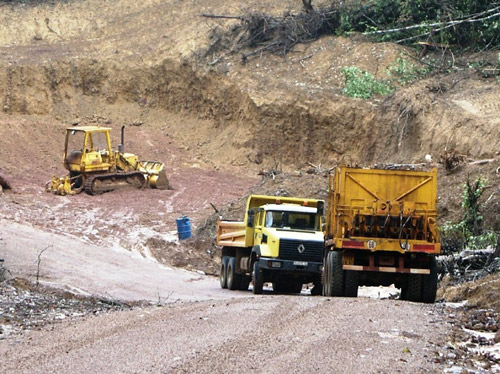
(429,283)
(223,271)
(414,287)
(257,278)
(233,278)
(351,283)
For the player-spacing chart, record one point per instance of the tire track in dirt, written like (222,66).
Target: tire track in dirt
(268,333)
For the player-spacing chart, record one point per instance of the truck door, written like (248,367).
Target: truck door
(259,236)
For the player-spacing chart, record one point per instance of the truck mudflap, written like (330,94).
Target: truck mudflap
(277,264)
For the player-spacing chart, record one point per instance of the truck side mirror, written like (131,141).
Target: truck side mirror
(250,220)
(321,207)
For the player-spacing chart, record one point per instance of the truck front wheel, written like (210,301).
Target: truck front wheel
(223,271)
(257,278)
(233,278)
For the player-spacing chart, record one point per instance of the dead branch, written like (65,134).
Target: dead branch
(260,33)
(467,19)
(482,162)
(39,260)
(241,18)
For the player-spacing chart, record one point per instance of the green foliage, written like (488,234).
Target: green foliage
(362,84)
(406,72)
(468,233)
(472,217)
(482,32)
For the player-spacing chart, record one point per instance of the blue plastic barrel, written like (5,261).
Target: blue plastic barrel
(183,227)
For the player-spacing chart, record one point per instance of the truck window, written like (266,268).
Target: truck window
(292,220)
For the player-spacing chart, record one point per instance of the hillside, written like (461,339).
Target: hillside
(225,125)
(142,64)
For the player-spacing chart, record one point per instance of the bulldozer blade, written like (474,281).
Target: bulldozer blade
(160,181)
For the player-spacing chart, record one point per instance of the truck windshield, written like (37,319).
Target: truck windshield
(292,220)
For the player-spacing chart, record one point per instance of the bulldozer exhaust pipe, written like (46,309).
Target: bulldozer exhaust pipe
(121,146)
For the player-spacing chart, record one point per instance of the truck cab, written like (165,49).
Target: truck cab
(280,241)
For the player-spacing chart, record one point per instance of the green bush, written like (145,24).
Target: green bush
(405,72)
(468,233)
(362,84)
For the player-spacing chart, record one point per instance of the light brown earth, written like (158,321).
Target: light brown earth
(141,64)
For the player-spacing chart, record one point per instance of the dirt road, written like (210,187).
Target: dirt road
(202,328)
(264,334)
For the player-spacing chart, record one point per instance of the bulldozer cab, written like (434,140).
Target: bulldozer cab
(88,148)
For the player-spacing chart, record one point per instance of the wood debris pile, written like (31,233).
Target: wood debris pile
(26,307)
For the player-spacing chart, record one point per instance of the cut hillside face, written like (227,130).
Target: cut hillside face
(143,65)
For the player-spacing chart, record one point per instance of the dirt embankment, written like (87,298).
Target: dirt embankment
(97,69)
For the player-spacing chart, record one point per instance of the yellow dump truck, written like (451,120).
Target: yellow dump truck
(279,241)
(381,230)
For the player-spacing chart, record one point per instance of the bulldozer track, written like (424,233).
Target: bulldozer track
(100,183)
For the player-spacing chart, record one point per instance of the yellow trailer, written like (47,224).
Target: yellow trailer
(380,230)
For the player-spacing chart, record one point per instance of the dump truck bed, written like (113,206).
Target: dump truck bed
(375,209)
(231,233)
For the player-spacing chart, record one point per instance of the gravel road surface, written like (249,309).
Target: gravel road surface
(202,329)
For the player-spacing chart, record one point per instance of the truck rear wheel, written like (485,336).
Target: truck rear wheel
(326,279)
(351,283)
(233,278)
(257,278)
(414,292)
(334,274)
(429,283)
(223,271)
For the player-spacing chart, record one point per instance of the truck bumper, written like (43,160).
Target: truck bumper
(276,264)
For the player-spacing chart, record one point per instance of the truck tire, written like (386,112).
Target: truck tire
(325,277)
(414,292)
(429,283)
(223,271)
(257,279)
(336,274)
(233,278)
(404,292)
(351,283)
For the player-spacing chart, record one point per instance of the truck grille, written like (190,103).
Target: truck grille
(313,251)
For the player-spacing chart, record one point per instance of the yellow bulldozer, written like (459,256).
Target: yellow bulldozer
(94,167)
